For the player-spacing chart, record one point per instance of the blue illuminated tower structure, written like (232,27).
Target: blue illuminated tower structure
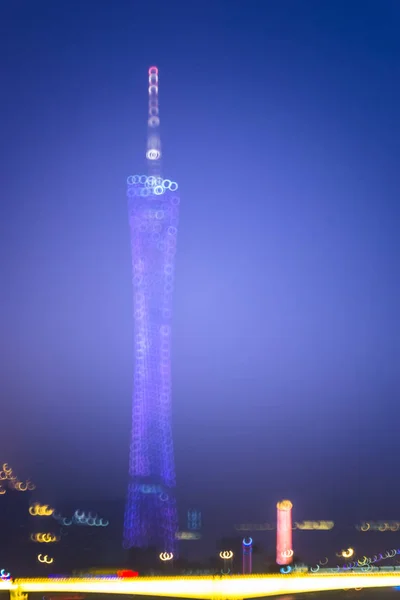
(151,514)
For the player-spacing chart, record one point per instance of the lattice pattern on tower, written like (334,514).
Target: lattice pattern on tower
(151,515)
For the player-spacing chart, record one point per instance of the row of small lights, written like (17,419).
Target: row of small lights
(380,526)
(150,185)
(304,525)
(78,518)
(163,556)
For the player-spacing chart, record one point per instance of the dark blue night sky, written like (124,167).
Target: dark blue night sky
(280,121)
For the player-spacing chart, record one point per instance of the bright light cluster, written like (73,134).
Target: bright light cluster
(148,185)
(151,514)
(40,510)
(314,525)
(11,480)
(44,538)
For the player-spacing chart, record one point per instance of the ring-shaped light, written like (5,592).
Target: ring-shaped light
(286,570)
(249,543)
(144,192)
(226,554)
(165,556)
(153,154)
(5,575)
(151,181)
(314,569)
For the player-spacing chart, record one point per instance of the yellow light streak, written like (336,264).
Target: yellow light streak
(230,588)
(315,525)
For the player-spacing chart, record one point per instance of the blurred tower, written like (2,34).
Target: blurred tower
(284,550)
(150,514)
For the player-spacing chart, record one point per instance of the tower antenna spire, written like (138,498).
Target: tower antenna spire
(153,152)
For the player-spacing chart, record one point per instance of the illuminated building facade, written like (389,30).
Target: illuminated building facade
(284,550)
(153,202)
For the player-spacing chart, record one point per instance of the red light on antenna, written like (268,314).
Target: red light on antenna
(153,71)
(127,574)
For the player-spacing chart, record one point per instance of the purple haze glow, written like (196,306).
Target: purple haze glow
(282,126)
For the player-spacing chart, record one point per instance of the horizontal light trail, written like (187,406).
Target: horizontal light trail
(228,587)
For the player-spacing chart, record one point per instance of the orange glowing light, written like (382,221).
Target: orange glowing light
(284,505)
(44,538)
(40,510)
